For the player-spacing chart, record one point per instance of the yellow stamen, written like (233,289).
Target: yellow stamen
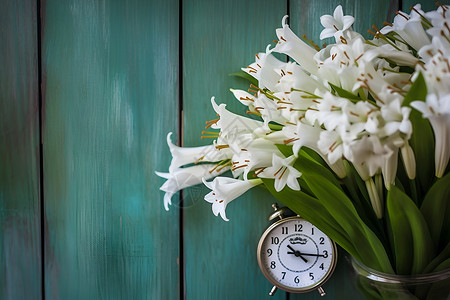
(241,166)
(290,140)
(401,14)
(222,147)
(210,123)
(253,113)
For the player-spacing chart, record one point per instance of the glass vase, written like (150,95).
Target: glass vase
(377,285)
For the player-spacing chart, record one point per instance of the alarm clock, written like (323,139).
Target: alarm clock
(294,255)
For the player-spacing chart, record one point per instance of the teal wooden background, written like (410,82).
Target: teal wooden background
(116,76)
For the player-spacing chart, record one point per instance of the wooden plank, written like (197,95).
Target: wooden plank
(220,37)
(110,88)
(305,19)
(20,247)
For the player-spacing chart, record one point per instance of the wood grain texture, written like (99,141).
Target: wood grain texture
(305,15)
(110,89)
(220,37)
(305,19)
(20,247)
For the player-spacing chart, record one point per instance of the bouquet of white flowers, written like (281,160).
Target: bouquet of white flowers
(327,132)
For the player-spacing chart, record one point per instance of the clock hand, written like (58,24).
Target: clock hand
(310,254)
(296,253)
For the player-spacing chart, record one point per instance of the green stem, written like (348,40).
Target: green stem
(413,187)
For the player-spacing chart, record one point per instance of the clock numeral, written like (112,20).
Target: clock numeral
(273,265)
(298,227)
(269,251)
(325,253)
(311,275)
(284,230)
(322,239)
(296,279)
(284,274)
(321,266)
(312,230)
(275,240)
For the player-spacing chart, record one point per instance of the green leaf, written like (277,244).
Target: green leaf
(314,156)
(410,232)
(418,91)
(305,161)
(275,127)
(343,93)
(422,138)
(435,209)
(399,234)
(329,193)
(445,254)
(245,76)
(285,149)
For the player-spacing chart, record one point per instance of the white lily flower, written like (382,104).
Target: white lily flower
(410,28)
(225,190)
(437,74)
(396,118)
(233,124)
(440,20)
(245,98)
(439,14)
(328,111)
(401,58)
(295,77)
(182,178)
(375,82)
(336,23)
(254,155)
(338,63)
(266,69)
(269,110)
(283,172)
(366,155)
(187,155)
(437,111)
(440,46)
(293,46)
(309,136)
(331,145)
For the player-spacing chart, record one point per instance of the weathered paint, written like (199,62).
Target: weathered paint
(220,37)
(110,75)
(20,246)
(110,94)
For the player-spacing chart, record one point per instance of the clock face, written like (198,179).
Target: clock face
(296,256)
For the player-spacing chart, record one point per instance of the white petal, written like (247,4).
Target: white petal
(347,21)
(327,32)
(292,182)
(338,13)
(327,21)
